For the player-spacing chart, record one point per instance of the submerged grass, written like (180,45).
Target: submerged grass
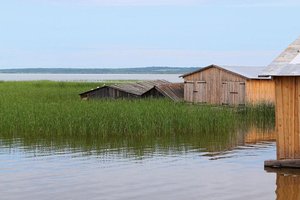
(52,109)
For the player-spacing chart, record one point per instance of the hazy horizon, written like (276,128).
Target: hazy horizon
(124,67)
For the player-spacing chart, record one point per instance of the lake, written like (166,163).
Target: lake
(165,167)
(88,77)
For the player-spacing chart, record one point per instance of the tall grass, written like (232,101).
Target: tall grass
(54,108)
(50,115)
(262,115)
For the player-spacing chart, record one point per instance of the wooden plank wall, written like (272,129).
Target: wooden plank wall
(213,77)
(233,93)
(200,92)
(215,90)
(100,93)
(107,92)
(258,91)
(153,93)
(287,90)
(188,91)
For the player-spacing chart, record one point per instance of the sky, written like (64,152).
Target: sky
(140,33)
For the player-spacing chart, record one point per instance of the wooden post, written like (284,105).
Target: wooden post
(287,91)
(285,70)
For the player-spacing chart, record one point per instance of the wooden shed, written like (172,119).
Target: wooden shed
(142,89)
(285,70)
(228,85)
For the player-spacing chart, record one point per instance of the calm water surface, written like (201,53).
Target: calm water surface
(88,77)
(208,166)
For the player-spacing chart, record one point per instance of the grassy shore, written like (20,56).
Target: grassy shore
(55,109)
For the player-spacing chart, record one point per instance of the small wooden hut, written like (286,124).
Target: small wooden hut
(285,70)
(228,85)
(142,89)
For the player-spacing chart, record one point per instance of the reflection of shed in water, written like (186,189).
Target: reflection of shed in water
(228,85)
(142,89)
(255,136)
(288,187)
(287,183)
(243,138)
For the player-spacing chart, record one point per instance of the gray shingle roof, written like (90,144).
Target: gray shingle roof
(137,88)
(287,63)
(252,72)
(174,91)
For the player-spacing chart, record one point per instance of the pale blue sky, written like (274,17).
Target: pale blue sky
(135,33)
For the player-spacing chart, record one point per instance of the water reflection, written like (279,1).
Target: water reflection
(287,183)
(176,166)
(215,144)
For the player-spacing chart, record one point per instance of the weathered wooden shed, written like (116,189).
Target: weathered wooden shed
(141,89)
(228,85)
(285,70)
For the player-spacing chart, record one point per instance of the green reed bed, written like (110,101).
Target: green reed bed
(262,115)
(52,109)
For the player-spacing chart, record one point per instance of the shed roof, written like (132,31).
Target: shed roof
(174,91)
(243,71)
(137,88)
(287,63)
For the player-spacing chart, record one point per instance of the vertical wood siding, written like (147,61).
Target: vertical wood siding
(200,92)
(223,87)
(287,117)
(207,87)
(260,91)
(233,93)
(242,93)
(188,91)
(107,92)
(153,93)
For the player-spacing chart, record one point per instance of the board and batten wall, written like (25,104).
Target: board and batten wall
(287,102)
(217,86)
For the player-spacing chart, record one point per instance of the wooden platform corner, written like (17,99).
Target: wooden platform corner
(288,163)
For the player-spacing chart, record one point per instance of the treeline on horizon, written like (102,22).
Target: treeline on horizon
(137,70)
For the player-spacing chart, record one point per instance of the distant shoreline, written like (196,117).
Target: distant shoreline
(140,70)
(86,77)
